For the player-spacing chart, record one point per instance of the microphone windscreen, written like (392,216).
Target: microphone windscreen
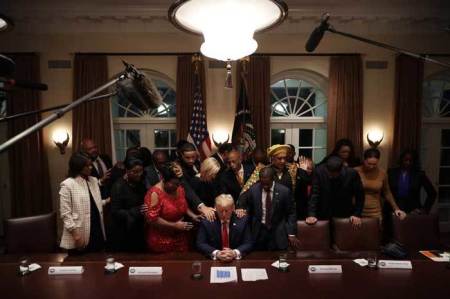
(140,91)
(314,39)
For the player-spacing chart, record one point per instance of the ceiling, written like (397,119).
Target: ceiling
(151,15)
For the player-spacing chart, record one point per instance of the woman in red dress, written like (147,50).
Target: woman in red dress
(167,204)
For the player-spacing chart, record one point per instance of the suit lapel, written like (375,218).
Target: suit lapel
(218,232)
(258,202)
(232,232)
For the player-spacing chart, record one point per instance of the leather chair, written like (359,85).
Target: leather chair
(417,232)
(349,238)
(36,234)
(314,237)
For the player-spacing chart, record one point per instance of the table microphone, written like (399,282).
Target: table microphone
(317,34)
(139,89)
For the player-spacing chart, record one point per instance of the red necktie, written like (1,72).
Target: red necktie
(268,208)
(225,241)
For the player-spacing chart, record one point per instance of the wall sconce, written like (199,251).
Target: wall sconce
(221,138)
(61,139)
(374,138)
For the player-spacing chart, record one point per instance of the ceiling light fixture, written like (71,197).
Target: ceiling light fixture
(5,23)
(227,26)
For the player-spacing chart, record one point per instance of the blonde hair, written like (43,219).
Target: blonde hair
(224,200)
(209,168)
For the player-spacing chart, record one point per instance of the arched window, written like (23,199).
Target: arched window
(299,109)
(435,149)
(153,128)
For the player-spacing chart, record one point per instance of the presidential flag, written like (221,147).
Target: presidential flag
(198,130)
(243,131)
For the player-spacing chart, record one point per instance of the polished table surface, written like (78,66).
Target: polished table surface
(427,279)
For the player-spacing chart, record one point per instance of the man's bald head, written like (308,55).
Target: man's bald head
(89,147)
(235,160)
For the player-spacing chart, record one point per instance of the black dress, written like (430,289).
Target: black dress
(96,238)
(127,225)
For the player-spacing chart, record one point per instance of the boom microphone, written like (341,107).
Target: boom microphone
(139,89)
(317,34)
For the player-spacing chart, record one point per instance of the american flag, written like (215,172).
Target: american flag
(243,131)
(198,131)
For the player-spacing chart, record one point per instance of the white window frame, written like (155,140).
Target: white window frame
(293,124)
(431,148)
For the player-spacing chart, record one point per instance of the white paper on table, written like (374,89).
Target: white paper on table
(361,262)
(117,266)
(254,274)
(276,264)
(34,267)
(223,274)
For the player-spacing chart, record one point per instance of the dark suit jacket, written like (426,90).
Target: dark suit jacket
(151,176)
(223,166)
(229,183)
(108,163)
(105,189)
(206,191)
(127,225)
(418,179)
(283,219)
(209,236)
(303,184)
(335,198)
(187,182)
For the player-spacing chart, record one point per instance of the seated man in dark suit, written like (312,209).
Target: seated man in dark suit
(272,214)
(233,179)
(228,237)
(335,188)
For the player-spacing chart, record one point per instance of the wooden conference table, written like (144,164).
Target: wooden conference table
(427,279)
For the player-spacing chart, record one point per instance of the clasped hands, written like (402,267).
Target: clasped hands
(226,255)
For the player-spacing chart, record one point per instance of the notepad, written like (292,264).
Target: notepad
(254,274)
(223,274)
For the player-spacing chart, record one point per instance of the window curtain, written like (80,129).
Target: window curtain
(258,85)
(408,105)
(345,101)
(29,174)
(185,92)
(91,120)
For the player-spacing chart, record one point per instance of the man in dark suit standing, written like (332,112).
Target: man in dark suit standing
(233,179)
(228,237)
(271,210)
(101,166)
(334,189)
(222,156)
